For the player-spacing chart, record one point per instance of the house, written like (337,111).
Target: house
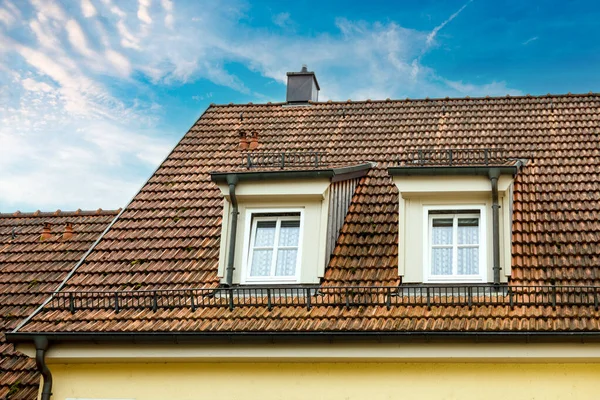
(37,251)
(431,248)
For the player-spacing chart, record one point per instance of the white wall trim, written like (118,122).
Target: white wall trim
(368,352)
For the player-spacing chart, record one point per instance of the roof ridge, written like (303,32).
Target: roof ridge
(420,99)
(59,213)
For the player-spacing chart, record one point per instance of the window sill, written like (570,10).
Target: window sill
(451,289)
(273,282)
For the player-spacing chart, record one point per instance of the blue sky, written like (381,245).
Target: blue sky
(94,93)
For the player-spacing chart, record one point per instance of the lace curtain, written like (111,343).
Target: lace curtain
(264,246)
(468,257)
(443,246)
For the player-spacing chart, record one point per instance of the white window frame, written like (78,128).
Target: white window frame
(427,243)
(250,228)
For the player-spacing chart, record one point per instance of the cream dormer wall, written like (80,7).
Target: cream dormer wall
(310,195)
(416,193)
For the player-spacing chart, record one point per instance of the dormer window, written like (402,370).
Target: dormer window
(455,219)
(274,247)
(281,217)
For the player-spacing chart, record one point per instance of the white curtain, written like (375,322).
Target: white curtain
(264,245)
(261,258)
(441,257)
(466,246)
(468,257)
(289,235)
(261,263)
(441,263)
(468,261)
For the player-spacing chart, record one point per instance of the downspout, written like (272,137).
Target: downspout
(41,345)
(494,174)
(232,180)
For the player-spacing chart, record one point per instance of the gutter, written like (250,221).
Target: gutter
(41,346)
(335,174)
(99,338)
(494,174)
(232,180)
(447,171)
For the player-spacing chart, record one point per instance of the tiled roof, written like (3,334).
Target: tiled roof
(30,268)
(168,237)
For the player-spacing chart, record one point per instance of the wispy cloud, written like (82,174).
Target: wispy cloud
(9,14)
(79,115)
(87,9)
(531,39)
(434,32)
(282,20)
(167,6)
(142,13)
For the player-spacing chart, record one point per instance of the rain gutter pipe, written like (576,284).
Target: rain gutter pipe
(232,181)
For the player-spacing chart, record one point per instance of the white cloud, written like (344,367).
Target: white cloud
(50,9)
(120,62)
(77,39)
(142,13)
(7,17)
(44,34)
(167,6)
(35,86)
(282,20)
(87,9)
(493,88)
(74,167)
(114,9)
(127,39)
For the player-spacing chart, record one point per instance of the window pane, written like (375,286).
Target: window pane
(441,261)
(442,231)
(289,233)
(286,262)
(468,260)
(261,263)
(468,231)
(265,234)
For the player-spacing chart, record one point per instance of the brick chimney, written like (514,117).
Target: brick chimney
(253,140)
(47,231)
(68,233)
(243,140)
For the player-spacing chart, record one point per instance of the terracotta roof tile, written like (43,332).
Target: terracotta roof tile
(169,235)
(30,268)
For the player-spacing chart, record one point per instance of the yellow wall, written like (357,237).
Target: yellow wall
(326,381)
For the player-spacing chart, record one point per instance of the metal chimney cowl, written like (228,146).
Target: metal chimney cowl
(302,87)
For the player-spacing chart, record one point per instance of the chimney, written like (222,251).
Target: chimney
(243,140)
(46,232)
(68,233)
(302,87)
(253,140)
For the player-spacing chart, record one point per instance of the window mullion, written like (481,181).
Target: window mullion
(275,247)
(455,245)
